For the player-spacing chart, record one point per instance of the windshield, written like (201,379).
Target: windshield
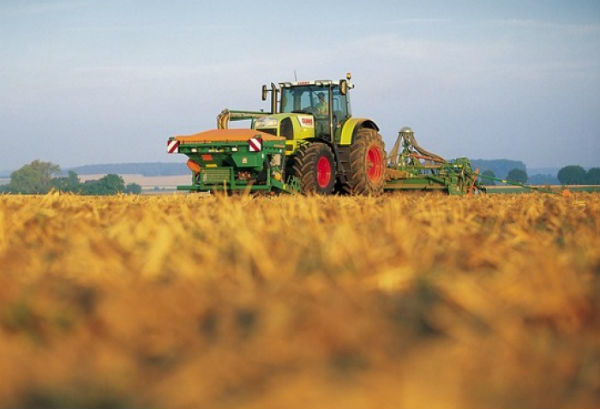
(303,99)
(313,99)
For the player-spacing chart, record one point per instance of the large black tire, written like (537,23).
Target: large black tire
(314,165)
(365,169)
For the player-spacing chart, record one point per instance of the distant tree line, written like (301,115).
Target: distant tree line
(506,169)
(576,175)
(541,179)
(145,169)
(516,175)
(39,177)
(500,167)
(568,175)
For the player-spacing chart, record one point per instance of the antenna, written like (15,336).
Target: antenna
(295,76)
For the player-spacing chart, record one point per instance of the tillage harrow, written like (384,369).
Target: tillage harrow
(414,168)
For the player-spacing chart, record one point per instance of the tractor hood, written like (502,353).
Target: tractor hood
(272,121)
(292,126)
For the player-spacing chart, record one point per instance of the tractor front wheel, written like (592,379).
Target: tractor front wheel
(314,166)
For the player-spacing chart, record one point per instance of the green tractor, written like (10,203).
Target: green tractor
(308,142)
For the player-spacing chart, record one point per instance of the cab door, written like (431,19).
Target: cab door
(341,110)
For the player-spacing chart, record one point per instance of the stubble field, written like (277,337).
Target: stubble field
(401,301)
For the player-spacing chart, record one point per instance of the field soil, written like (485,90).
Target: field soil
(401,301)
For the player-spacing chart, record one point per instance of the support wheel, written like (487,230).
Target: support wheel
(314,166)
(366,166)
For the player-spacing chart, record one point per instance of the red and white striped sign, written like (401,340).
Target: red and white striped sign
(172,145)
(255,144)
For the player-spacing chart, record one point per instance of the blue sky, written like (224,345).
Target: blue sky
(86,81)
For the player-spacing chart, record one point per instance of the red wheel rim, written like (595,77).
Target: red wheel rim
(323,172)
(374,164)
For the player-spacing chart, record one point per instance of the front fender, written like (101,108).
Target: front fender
(351,126)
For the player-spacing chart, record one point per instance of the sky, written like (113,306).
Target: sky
(88,82)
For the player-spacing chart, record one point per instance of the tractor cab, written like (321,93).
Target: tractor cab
(306,110)
(321,99)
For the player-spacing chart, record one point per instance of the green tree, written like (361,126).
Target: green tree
(33,178)
(133,188)
(572,175)
(486,177)
(70,183)
(108,185)
(592,176)
(517,175)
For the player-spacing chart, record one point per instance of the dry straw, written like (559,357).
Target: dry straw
(187,301)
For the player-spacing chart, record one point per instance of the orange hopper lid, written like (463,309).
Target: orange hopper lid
(227,135)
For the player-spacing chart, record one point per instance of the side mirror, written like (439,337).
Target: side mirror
(264,92)
(343,87)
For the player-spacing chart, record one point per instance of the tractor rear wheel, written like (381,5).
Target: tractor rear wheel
(314,166)
(365,170)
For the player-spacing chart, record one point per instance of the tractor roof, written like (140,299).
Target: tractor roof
(318,83)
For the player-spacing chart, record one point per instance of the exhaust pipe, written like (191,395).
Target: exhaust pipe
(274,92)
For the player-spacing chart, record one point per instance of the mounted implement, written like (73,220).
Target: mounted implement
(414,168)
(310,143)
(236,159)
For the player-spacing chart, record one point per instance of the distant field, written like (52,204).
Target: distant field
(402,301)
(551,188)
(148,183)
